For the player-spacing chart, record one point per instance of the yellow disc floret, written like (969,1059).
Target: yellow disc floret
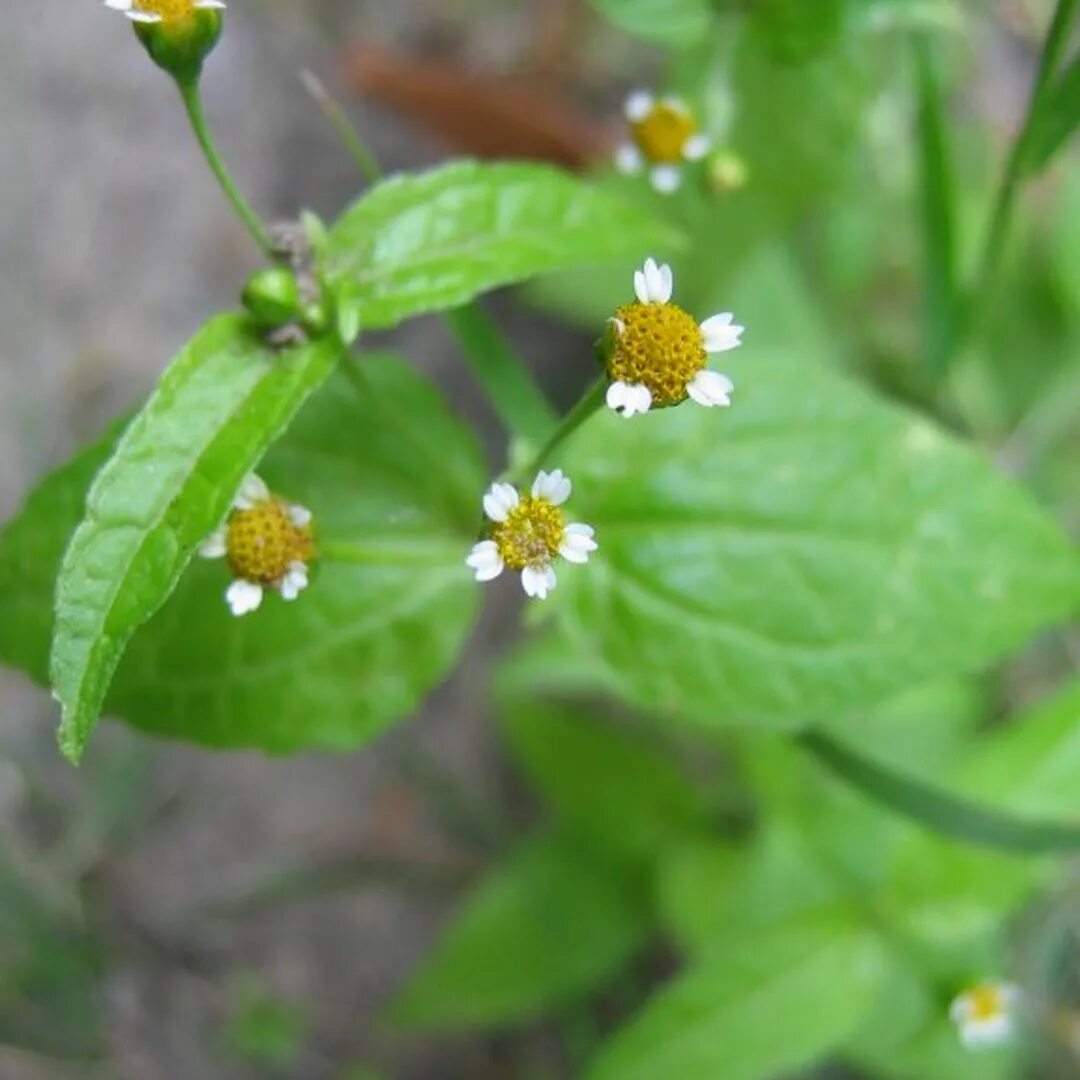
(263,542)
(985,1002)
(663,132)
(531,533)
(167,10)
(659,346)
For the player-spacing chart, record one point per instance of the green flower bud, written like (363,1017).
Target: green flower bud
(272,296)
(725,171)
(178,34)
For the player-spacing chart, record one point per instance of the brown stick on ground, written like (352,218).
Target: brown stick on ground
(484,115)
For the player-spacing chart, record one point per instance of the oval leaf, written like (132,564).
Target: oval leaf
(809,551)
(434,241)
(171,479)
(670,22)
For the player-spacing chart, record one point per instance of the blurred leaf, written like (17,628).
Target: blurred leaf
(794,31)
(170,481)
(810,552)
(434,241)
(394,491)
(936,1053)
(548,925)
(604,783)
(669,22)
(767,1002)
(1057,120)
(262,1028)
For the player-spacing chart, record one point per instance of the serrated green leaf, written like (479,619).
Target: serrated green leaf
(811,550)
(669,22)
(362,644)
(434,241)
(768,1002)
(643,801)
(171,479)
(548,925)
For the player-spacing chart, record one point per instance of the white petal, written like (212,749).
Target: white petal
(119,5)
(628,159)
(300,516)
(653,284)
(252,491)
(213,547)
(142,16)
(554,486)
(243,596)
(696,147)
(618,325)
(710,388)
(294,582)
(538,581)
(628,399)
(719,333)
(638,105)
(500,500)
(577,543)
(485,560)
(210,3)
(666,178)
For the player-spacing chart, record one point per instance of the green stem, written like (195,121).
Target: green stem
(989,265)
(512,392)
(189,94)
(939,810)
(337,118)
(589,402)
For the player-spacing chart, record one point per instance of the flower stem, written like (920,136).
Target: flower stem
(589,402)
(189,94)
(337,118)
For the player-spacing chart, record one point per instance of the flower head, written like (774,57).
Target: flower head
(267,543)
(663,134)
(178,34)
(527,533)
(985,1013)
(656,352)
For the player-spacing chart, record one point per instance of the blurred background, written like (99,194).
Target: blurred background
(171,913)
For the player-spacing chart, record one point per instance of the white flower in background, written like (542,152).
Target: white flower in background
(663,135)
(267,543)
(154,11)
(528,532)
(985,1014)
(656,352)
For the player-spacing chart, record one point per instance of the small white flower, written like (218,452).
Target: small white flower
(153,11)
(528,533)
(267,543)
(656,352)
(663,135)
(985,1014)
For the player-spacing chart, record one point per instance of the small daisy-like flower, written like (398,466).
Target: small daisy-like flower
(656,352)
(985,1014)
(161,11)
(527,533)
(267,543)
(663,135)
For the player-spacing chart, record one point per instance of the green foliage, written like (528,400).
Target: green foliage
(886,551)
(550,924)
(755,1006)
(434,241)
(262,1028)
(170,481)
(669,22)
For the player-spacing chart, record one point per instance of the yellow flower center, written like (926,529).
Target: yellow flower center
(263,542)
(168,10)
(662,133)
(985,1002)
(530,535)
(661,346)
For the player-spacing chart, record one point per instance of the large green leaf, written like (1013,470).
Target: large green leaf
(670,22)
(766,1002)
(810,551)
(394,496)
(548,925)
(173,474)
(434,241)
(603,782)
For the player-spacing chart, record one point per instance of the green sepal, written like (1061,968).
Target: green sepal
(179,46)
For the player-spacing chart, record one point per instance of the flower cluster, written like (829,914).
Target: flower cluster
(663,135)
(985,1014)
(267,543)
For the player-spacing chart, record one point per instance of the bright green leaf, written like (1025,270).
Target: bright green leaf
(810,551)
(669,22)
(547,926)
(764,1003)
(434,241)
(171,479)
